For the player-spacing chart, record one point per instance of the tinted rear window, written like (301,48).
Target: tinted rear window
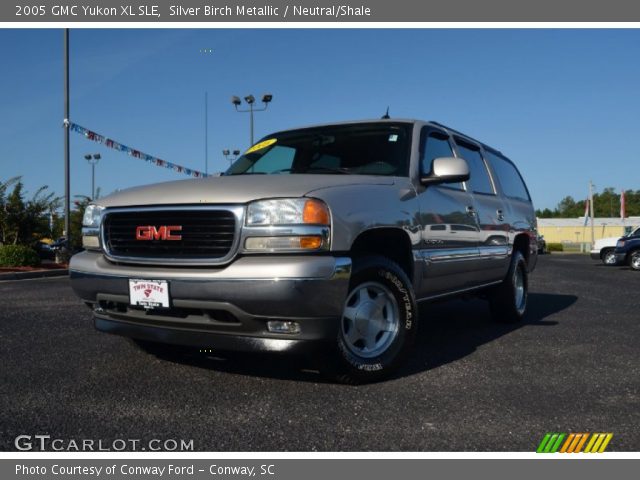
(510,180)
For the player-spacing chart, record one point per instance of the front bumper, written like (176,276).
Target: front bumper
(621,258)
(595,255)
(220,308)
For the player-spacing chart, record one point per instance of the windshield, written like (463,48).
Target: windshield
(363,149)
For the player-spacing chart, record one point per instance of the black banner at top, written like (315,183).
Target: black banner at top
(329,11)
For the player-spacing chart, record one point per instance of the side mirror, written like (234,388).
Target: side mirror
(446,170)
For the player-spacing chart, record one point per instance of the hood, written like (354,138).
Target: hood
(234,189)
(606,242)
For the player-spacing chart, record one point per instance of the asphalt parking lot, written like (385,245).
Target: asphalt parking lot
(471,385)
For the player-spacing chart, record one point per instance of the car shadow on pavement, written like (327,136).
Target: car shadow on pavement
(452,330)
(449,330)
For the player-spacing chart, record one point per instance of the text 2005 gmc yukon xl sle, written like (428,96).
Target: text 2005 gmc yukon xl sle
(329,236)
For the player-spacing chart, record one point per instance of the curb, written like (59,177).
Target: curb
(37,274)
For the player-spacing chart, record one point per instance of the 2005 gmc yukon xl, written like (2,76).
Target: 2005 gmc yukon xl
(329,235)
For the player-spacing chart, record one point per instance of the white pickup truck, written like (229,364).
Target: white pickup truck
(603,248)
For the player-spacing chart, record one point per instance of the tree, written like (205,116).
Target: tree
(24,222)
(605,204)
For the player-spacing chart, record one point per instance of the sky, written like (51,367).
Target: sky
(563,104)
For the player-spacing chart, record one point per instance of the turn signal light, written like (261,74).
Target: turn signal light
(315,212)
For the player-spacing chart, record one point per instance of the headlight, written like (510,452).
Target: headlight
(91,227)
(287,225)
(92,216)
(288,211)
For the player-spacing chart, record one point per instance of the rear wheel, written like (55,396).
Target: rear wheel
(378,323)
(508,302)
(634,260)
(608,257)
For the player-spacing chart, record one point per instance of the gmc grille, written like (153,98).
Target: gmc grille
(206,234)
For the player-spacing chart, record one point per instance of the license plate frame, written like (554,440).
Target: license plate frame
(149,293)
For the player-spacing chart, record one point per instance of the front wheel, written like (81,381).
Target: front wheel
(608,257)
(378,324)
(508,302)
(634,260)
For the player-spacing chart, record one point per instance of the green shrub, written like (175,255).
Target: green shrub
(554,247)
(18,256)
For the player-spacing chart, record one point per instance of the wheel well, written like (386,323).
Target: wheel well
(391,243)
(606,250)
(521,244)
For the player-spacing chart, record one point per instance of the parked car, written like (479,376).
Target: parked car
(316,239)
(43,250)
(603,249)
(627,251)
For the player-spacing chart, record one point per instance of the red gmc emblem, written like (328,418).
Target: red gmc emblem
(165,232)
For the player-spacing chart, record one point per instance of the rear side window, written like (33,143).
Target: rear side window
(479,181)
(509,178)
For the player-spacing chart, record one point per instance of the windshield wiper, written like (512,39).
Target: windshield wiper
(245,173)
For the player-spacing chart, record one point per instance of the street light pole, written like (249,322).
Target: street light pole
(93,160)
(206,133)
(229,156)
(593,228)
(251,100)
(67,188)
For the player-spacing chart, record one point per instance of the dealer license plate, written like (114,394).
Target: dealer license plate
(149,293)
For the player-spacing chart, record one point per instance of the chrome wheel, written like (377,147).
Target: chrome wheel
(609,258)
(635,261)
(370,320)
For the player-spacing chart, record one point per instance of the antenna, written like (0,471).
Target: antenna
(386,115)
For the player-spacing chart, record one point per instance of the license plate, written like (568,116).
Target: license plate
(149,293)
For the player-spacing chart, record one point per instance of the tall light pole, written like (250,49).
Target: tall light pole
(93,160)
(206,134)
(231,157)
(67,188)
(251,100)
(593,228)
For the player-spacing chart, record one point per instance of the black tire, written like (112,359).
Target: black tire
(634,260)
(508,301)
(380,298)
(608,257)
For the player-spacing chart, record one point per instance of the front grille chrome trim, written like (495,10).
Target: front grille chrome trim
(238,212)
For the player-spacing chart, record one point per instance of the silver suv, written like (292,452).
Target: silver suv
(328,236)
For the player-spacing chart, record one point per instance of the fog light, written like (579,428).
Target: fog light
(90,242)
(277,326)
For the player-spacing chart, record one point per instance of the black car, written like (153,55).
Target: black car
(627,251)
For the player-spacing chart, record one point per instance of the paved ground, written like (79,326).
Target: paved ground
(573,366)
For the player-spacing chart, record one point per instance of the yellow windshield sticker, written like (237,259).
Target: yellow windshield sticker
(261,145)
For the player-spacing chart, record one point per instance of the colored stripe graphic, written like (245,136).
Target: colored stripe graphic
(598,442)
(550,443)
(574,442)
(581,443)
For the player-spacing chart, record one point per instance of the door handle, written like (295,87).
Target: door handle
(471,210)
(500,214)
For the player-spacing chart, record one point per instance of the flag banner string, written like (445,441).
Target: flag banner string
(108,142)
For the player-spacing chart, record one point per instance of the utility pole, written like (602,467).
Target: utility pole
(593,228)
(67,187)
